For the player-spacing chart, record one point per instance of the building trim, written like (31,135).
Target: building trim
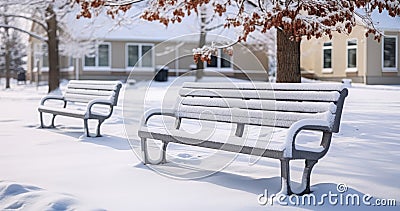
(351,69)
(330,47)
(390,69)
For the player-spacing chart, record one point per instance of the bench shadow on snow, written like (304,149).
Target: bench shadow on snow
(116,142)
(256,186)
(77,132)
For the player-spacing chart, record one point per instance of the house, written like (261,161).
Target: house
(140,47)
(354,56)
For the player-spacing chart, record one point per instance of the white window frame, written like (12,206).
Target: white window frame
(390,69)
(71,63)
(39,54)
(139,64)
(219,57)
(96,62)
(327,70)
(351,69)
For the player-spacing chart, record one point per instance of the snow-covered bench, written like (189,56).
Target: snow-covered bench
(83,97)
(296,107)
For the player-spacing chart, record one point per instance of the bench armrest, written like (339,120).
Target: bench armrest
(101,102)
(156,111)
(304,124)
(52,97)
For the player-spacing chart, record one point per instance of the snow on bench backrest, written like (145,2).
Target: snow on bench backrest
(85,91)
(260,103)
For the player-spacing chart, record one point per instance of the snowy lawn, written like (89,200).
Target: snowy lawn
(61,169)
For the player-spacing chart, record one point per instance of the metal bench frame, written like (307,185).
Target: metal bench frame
(310,157)
(84,85)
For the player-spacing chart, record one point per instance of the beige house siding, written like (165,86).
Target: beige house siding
(118,55)
(186,56)
(164,54)
(249,64)
(375,72)
(312,56)
(369,58)
(246,60)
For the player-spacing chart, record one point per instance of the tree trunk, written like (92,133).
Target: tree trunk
(52,43)
(7,54)
(202,42)
(288,55)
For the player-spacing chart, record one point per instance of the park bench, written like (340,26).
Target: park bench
(82,97)
(293,107)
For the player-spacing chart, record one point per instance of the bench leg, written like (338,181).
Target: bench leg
(145,153)
(41,120)
(305,181)
(285,177)
(52,121)
(164,153)
(42,123)
(98,127)
(86,126)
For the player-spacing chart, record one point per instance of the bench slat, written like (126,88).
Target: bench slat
(85,98)
(271,105)
(267,86)
(94,82)
(329,96)
(92,86)
(244,116)
(90,92)
(63,111)
(85,91)
(224,143)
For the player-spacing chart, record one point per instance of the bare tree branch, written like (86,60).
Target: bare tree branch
(26,18)
(24,31)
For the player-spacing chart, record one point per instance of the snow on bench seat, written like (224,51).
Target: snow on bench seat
(294,108)
(87,93)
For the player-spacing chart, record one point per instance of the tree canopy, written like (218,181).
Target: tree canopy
(299,18)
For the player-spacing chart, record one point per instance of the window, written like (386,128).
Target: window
(140,55)
(102,58)
(133,55)
(41,54)
(45,56)
(70,61)
(389,53)
(352,55)
(327,57)
(222,61)
(90,61)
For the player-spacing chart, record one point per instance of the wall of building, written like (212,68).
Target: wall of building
(369,59)
(375,71)
(250,64)
(245,63)
(312,56)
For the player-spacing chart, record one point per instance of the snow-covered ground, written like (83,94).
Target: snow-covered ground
(61,169)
